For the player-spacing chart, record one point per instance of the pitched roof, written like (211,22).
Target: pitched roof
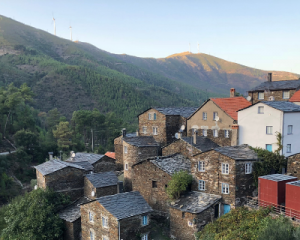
(55,165)
(283,106)
(295,97)
(182,111)
(125,205)
(141,141)
(85,157)
(195,202)
(241,152)
(111,154)
(278,177)
(86,165)
(202,143)
(72,212)
(103,179)
(277,85)
(231,105)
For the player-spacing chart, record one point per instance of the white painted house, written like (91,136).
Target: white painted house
(259,123)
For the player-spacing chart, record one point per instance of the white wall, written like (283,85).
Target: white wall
(294,138)
(252,126)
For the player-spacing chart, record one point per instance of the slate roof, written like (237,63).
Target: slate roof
(182,111)
(55,165)
(111,154)
(277,85)
(296,183)
(85,157)
(173,163)
(72,212)
(141,141)
(295,97)
(86,165)
(241,152)
(283,106)
(202,143)
(231,105)
(195,202)
(125,205)
(104,179)
(278,177)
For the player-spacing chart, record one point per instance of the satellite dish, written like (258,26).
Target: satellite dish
(182,127)
(249,98)
(73,154)
(217,118)
(176,135)
(35,187)
(93,194)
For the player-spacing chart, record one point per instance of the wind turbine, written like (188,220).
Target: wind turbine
(71,32)
(54,26)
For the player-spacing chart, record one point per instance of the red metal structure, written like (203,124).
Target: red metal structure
(271,189)
(292,199)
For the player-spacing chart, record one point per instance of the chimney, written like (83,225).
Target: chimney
(232,92)
(194,136)
(124,132)
(179,135)
(269,77)
(137,132)
(50,155)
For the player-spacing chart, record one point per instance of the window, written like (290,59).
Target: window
(226,133)
(269,130)
(225,188)
(289,148)
(248,168)
(286,94)
(183,214)
(144,130)
(154,116)
(145,220)
(126,166)
(269,147)
(125,149)
(201,185)
(225,168)
(154,184)
(215,116)
(91,217)
(104,222)
(190,223)
(261,95)
(154,130)
(204,132)
(290,129)
(215,133)
(149,116)
(92,235)
(261,110)
(145,236)
(104,238)
(201,167)
(204,116)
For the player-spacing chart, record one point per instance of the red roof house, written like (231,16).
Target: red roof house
(111,155)
(296,97)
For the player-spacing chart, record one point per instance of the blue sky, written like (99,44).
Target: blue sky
(262,34)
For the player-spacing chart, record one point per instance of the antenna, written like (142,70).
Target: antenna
(54,26)
(71,33)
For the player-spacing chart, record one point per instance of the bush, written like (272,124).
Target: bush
(178,184)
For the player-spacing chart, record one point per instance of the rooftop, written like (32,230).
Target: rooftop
(182,111)
(85,157)
(278,177)
(86,165)
(195,202)
(231,105)
(55,165)
(125,205)
(202,143)
(295,97)
(104,179)
(296,183)
(173,163)
(283,106)
(72,212)
(277,85)
(241,152)
(111,154)
(141,141)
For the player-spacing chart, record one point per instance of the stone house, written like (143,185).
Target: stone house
(151,178)
(164,123)
(189,146)
(136,149)
(274,90)
(293,165)
(217,119)
(120,216)
(100,184)
(62,177)
(190,213)
(225,171)
(100,162)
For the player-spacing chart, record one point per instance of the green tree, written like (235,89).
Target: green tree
(25,138)
(63,134)
(178,184)
(34,216)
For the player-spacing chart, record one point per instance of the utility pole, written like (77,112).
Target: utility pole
(92,140)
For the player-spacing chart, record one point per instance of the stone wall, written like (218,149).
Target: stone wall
(180,146)
(72,230)
(41,181)
(276,94)
(105,164)
(293,165)
(99,192)
(118,144)
(173,124)
(143,176)
(221,139)
(73,194)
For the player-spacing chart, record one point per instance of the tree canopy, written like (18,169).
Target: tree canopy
(178,184)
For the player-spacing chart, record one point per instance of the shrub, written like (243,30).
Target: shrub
(178,184)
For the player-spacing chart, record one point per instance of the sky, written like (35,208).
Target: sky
(259,33)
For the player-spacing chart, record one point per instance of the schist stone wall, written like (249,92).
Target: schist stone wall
(105,164)
(151,182)
(135,154)
(180,146)
(173,124)
(72,230)
(118,144)
(179,222)
(293,165)
(278,96)
(99,192)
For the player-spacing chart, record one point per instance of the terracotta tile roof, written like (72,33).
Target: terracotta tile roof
(295,97)
(111,155)
(231,105)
